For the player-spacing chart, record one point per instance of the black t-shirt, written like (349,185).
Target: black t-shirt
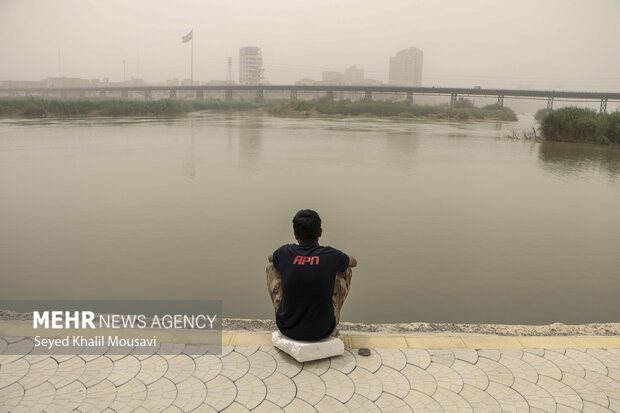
(308,273)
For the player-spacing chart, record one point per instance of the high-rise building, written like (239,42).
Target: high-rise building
(354,76)
(406,68)
(250,66)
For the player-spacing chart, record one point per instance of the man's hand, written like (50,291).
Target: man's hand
(352,261)
(270,258)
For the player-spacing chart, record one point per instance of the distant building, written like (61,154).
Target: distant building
(354,76)
(332,78)
(406,68)
(61,82)
(250,66)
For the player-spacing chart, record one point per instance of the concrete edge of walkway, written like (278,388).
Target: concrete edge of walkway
(457,341)
(351,340)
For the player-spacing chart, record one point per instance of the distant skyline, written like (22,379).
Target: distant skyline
(550,44)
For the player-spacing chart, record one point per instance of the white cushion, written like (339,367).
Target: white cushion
(308,350)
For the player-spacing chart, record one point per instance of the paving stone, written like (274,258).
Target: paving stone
(479,400)
(359,403)
(338,385)
(251,391)
(160,394)
(191,393)
(267,407)
(420,379)
(535,395)
(262,364)
(419,401)
(561,393)
(236,408)
(565,364)
(589,407)
(299,406)
(420,358)
(37,398)
(329,404)
(13,371)
(280,389)
(124,370)
(446,357)
(466,354)
(95,371)
(68,398)
(387,402)
(309,386)
(180,367)
(129,396)
(451,402)
(287,365)
(586,390)
(542,365)
(508,399)
(11,396)
(208,367)
(393,381)
(370,363)
(152,369)
(98,397)
(471,374)
(344,363)
(519,368)
(587,361)
(317,367)
(221,393)
(393,358)
(446,377)
(366,383)
(68,371)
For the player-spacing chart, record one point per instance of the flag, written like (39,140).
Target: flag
(188,36)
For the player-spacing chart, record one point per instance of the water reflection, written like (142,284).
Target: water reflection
(250,136)
(401,147)
(563,159)
(190,156)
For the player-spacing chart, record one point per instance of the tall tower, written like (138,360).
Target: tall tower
(229,73)
(406,68)
(250,66)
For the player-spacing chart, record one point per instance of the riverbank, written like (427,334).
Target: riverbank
(38,108)
(580,125)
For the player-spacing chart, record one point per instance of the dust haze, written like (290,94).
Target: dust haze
(571,45)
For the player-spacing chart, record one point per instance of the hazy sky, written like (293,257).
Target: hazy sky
(522,43)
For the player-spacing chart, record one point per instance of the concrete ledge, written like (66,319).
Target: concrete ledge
(445,342)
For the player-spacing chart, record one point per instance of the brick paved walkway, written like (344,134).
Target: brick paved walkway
(262,379)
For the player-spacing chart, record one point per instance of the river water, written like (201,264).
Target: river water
(450,221)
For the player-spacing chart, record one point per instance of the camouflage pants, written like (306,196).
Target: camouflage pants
(341,290)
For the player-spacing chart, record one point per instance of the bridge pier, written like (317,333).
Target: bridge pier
(259,95)
(368,95)
(603,106)
(550,103)
(228,95)
(200,94)
(410,98)
(148,95)
(293,97)
(500,101)
(173,94)
(453,97)
(125,94)
(330,96)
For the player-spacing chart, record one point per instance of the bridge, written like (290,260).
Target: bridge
(327,90)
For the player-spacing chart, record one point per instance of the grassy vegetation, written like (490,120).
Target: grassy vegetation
(581,125)
(463,109)
(387,109)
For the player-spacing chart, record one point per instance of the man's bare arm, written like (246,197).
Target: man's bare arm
(270,257)
(352,261)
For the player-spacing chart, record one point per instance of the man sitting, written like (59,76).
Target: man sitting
(307,282)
